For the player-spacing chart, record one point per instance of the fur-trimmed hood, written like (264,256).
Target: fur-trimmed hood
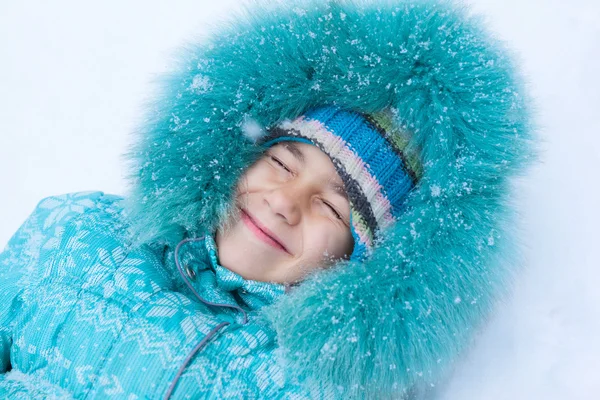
(399,319)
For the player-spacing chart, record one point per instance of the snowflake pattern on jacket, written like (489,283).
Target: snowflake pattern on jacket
(85,315)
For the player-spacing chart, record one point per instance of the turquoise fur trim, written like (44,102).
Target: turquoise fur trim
(402,317)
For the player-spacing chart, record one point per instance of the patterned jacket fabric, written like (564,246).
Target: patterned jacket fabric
(85,315)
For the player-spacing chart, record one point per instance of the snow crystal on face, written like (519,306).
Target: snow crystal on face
(200,84)
(457,300)
(435,191)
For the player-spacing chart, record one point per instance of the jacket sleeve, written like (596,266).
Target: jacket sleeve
(20,255)
(26,251)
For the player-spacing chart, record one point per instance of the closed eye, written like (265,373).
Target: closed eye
(280,163)
(331,207)
(337,214)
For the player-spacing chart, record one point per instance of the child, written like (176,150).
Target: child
(295,196)
(338,178)
(319,210)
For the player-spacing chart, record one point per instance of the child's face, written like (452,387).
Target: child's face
(295,193)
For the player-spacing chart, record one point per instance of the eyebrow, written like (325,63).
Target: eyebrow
(296,152)
(299,155)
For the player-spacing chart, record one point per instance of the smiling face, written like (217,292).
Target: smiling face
(292,216)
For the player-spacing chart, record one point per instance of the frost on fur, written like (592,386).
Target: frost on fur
(252,129)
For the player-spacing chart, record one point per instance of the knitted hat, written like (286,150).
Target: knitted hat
(371,156)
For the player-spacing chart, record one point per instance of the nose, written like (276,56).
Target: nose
(285,201)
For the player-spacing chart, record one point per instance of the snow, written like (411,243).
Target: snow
(200,84)
(252,129)
(75,75)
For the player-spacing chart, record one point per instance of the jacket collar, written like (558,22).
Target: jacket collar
(214,283)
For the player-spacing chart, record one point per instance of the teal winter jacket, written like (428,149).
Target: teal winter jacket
(86,315)
(107,296)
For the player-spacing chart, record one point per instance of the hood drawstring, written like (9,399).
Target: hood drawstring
(210,334)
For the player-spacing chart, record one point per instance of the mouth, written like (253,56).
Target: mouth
(262,232)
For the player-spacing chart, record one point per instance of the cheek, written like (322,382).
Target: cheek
(321,240)
(253,179)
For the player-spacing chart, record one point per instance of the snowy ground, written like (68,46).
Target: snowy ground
(73,77)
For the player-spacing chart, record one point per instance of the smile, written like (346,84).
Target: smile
(262,232)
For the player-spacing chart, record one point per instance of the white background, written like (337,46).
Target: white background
(74,76)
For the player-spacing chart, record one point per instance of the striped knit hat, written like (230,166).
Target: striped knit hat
(372,158)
